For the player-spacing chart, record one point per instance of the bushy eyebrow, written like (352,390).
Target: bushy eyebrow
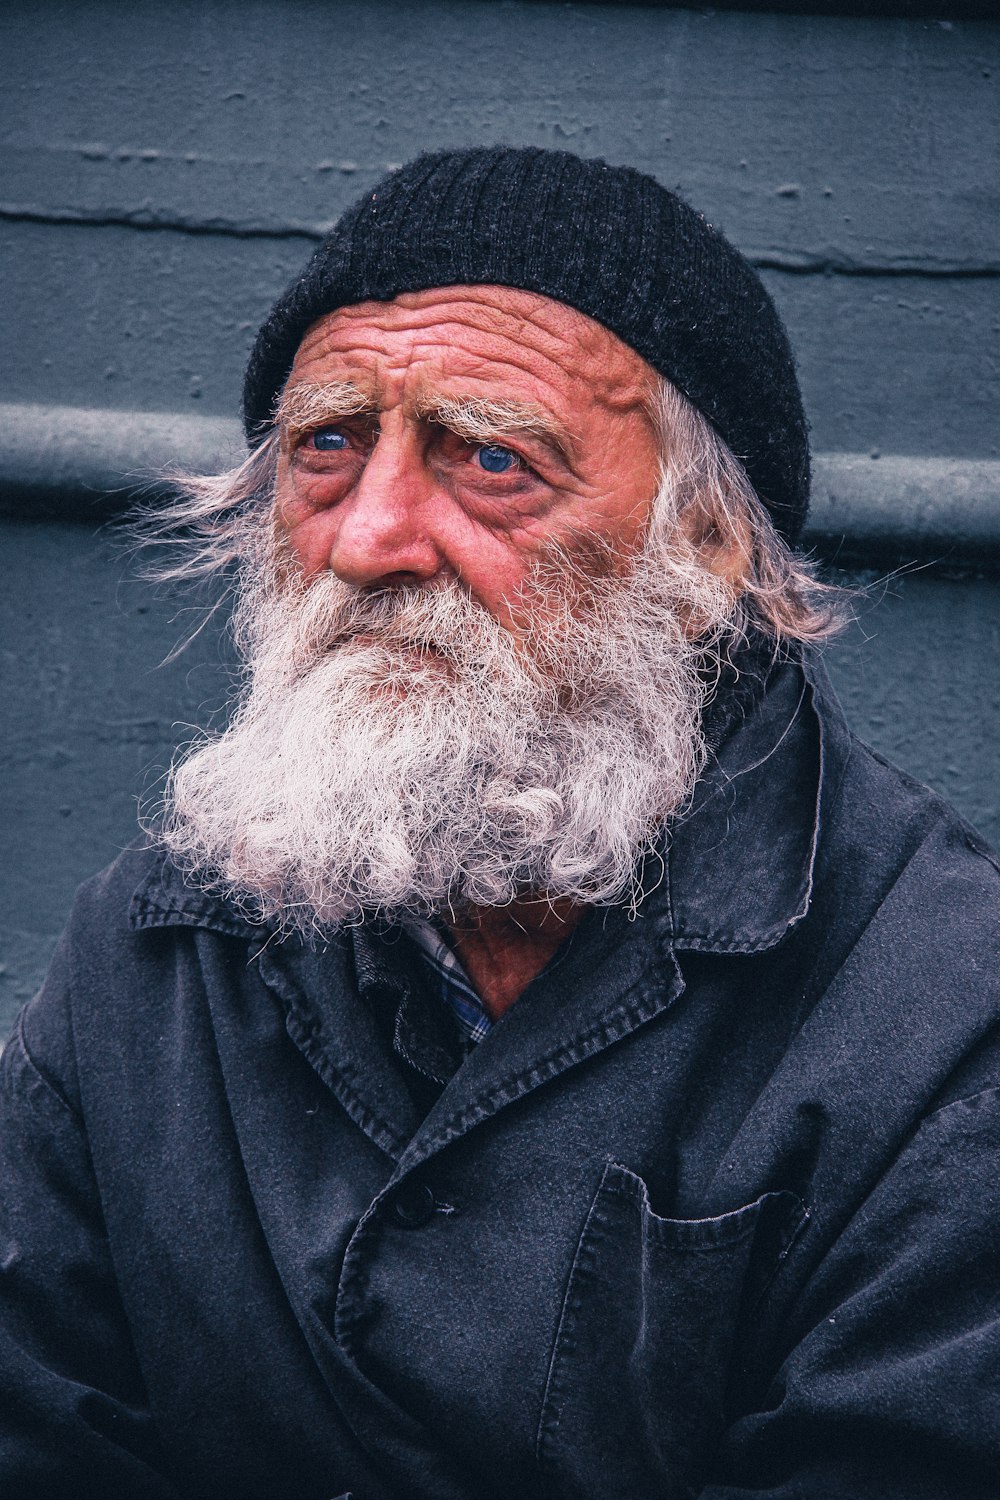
(309,404)
(480,419)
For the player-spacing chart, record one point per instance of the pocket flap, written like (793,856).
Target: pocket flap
(648,1336)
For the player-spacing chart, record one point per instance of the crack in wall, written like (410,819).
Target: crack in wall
(148,219)
(798,263)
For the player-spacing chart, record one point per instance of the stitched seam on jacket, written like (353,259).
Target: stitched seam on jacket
(50,1087)
(339,1080)
(603,1034)
(595,1228)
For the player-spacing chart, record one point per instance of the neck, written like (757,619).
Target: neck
(503,948)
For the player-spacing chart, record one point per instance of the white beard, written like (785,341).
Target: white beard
(399,752)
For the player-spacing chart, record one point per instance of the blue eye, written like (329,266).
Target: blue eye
(496,459)
(328,440)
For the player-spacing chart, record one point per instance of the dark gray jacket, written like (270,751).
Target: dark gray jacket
(714,1210)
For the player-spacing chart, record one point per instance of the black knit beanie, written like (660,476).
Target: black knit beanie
(608,241)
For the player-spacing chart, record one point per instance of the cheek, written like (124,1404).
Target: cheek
(305,537)
(304,525)
(492,567)
(626,481)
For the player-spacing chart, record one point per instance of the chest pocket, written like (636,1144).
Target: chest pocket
(647,1337)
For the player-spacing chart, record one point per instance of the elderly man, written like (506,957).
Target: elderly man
(536,1051)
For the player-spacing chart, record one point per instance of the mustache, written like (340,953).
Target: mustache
(324,616)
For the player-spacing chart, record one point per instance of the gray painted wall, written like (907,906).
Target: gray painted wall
(166,169)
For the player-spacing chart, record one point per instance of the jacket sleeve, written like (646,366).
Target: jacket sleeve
(74,1418)
(890,1382)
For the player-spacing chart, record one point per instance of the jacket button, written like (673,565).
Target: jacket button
(413,1205)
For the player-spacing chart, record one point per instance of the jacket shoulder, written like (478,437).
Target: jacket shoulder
(107,896)
(107,975)
(907,907)
(884,820)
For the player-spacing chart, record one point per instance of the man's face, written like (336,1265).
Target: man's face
(456,433)
(443,708)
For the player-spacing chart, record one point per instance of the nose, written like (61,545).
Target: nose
(381,535)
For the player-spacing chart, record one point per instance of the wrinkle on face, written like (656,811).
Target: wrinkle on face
(481,366)
(489,330)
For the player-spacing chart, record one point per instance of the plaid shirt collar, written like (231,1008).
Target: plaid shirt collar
(453,983)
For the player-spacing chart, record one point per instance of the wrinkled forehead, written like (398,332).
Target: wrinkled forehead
(485,338)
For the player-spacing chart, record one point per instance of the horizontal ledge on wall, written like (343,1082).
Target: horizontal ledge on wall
(88,463)
(85,463)
(895,508)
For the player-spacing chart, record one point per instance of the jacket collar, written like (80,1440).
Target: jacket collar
(739,863)
(741,859)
